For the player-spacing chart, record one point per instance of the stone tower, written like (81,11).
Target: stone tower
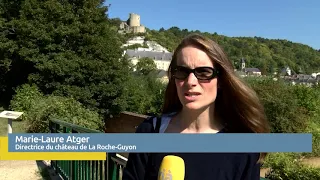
(132,25)
(243,64)
(134,20)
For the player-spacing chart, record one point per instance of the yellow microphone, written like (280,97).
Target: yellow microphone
(171,168)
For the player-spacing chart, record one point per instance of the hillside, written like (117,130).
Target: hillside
(266,54)
(262,53)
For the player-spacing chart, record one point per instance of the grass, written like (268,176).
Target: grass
(18,126)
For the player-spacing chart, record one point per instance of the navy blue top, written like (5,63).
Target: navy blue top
(198,166)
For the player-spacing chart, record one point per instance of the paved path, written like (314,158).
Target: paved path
(19,170)
(28,170)
(314,161)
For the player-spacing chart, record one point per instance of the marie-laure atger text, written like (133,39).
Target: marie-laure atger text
(42,139)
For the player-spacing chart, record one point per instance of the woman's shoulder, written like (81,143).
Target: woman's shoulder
(246,158)
(150,123)
(251,158)
(146,125)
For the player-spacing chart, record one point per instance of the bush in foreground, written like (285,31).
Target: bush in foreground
(38,109)
(286,166)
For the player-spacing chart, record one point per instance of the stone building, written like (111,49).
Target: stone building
(161,59)
(132,25)
(244,71)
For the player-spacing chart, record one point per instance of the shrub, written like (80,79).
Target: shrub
(308,98)
(38,109)
(296,172)
(275,159)
(286,166)
(143,94)
(314,128)
(27,96)
(282,107)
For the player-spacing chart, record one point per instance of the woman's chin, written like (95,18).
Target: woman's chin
(192,106)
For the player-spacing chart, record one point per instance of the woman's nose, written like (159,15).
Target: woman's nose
(192,80)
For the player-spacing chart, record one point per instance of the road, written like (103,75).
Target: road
(22,170)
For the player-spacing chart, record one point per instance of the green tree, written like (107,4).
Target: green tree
(137,96)
(38,109)
(157,90)
(283,108)
(145,66)
(144,94)
(11,74)
(260,52)
(67,48)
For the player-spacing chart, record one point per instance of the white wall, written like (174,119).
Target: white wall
(161,64)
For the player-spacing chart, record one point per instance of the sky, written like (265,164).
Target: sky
(295,20)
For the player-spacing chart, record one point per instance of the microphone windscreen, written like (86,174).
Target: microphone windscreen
(171,168)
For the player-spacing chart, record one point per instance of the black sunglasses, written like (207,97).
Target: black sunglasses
(201,73)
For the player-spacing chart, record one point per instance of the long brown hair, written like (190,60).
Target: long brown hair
(236,104)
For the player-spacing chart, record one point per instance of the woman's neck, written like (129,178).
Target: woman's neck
(198,121)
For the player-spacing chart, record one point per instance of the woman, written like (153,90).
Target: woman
(203,96)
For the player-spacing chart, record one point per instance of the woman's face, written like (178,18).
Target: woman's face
(195,94)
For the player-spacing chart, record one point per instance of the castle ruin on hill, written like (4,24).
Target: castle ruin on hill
(132,25)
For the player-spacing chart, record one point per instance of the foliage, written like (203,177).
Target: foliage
(38,109)
(26,97)
(314,128)
(290,109)
(277,158)
(287,167)
(158,90)
(308,98)
(67,48)
(145,66)
(144,94)
(266,54)
(281,105)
